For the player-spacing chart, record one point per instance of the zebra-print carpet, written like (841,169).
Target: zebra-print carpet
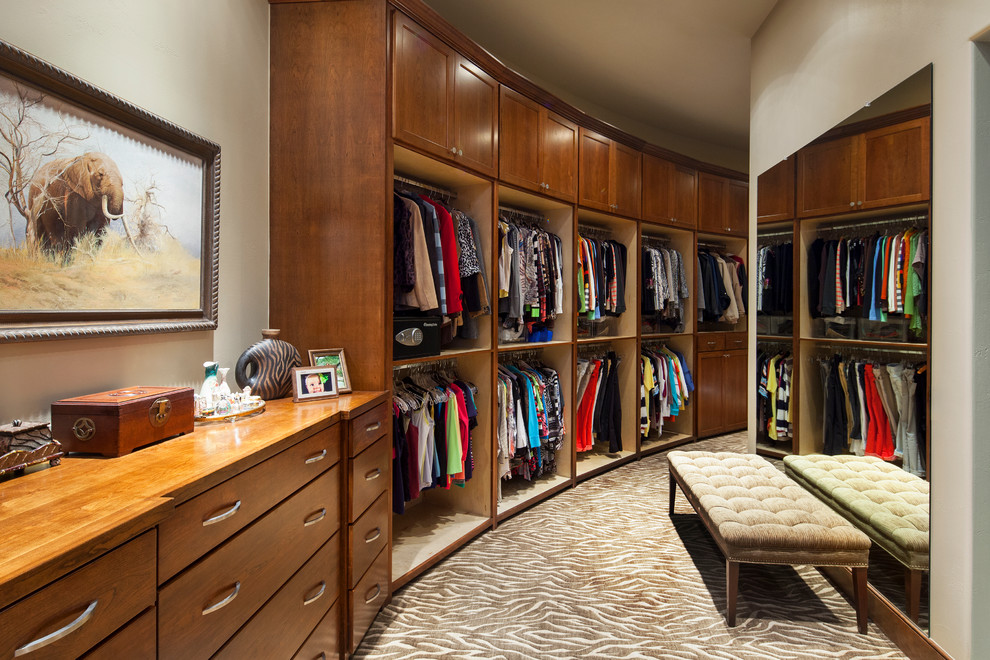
(601,571)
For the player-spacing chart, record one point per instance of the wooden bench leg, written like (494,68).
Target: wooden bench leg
(673,491)
(862,601)
(731,589)
(913,588)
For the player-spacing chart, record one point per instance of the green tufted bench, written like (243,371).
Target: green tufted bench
(757,515)
(888,504)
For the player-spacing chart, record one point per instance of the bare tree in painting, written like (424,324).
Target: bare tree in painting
(24,143)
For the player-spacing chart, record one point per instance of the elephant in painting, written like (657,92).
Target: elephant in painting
(69,197)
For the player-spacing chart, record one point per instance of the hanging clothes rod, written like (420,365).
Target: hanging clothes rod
(892,351)
(913,220)
(663,241)
(591,231)
(527,355)
(529,215)
(420,367)
(713,246)
(774,234)
(424,186)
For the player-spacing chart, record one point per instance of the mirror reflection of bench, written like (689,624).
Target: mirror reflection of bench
(757,515)
(888,504)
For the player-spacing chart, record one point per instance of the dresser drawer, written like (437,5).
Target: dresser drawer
(367,537)
(324,643)
(202,607)
(281,626)
(367,428)
(73,614)
(735,341)
(711,341)
(136,641)
(207,520)
(368,597)
(369,476)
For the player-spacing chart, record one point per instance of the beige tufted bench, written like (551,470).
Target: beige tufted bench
(887,503)
(757,515)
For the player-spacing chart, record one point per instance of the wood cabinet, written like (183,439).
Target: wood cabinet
(721,385)
(775,192)
(888,166)
(443,104)
(723,205)
(670,192)
(610,175)
(538,149)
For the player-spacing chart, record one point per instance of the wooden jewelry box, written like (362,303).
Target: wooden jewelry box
(117,422)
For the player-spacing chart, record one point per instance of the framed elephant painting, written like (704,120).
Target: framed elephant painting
(110,218)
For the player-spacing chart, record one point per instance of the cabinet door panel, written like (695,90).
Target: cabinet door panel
(519,140)
(708,384)
(475,117)
(559,156)
(775,192)
(685,196)
(896,162)
(422,95)
(734,390)
(737,211)
(593,173)
(826,178)
(712,208)
(658,189)
(627,180)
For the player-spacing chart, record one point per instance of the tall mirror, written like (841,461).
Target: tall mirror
(844,231)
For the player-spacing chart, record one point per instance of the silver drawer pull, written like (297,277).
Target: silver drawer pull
(58,634)
(225,602)
(372,427)
(378,591)
(320,516)
(316,458)
(313,599)
(374,474)
(223,516)
(373,535)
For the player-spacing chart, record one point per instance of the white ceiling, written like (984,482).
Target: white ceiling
(677,66)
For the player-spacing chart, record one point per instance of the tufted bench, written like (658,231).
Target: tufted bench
(885,502)
(757,515)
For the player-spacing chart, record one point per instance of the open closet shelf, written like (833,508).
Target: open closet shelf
(444,355)
(522,346)
(865,343)
(518,494)
(591,463)
(667,440)
(425,534)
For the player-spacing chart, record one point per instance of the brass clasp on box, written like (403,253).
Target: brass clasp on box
(84,428)
(159,412)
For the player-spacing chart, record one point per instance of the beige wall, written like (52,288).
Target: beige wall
(203,66)
(816,62)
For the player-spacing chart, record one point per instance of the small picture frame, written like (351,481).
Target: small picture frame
(332,357)
(310,383)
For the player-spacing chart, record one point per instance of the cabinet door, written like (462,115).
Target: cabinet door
(519,141)
(626,180)
(684,192)
(734,390)
(658,189)
(475,118)
(775,193)
(737,208)
(712,198)
(559,156)
(896,164)
(422,88)
(826,178)
(708,386)
(593,188)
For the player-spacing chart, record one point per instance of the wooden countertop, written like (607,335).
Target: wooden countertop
(55,520)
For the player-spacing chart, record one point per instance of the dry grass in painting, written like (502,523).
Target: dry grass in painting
(108,276)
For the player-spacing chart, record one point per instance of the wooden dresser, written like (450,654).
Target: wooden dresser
(266,538)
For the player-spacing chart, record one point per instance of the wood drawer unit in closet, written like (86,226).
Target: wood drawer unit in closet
(324,642)
(135,641)
(73,614)
(370,594)
(203,606)
(368,476)
(735,341)
(443,104)
(670,193)
(711,341)
(368,536)
(365,429)
(721,386)
(208,519)
(538,149)
(283,624)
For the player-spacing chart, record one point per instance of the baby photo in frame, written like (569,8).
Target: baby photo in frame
(332,357)
(310,383)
